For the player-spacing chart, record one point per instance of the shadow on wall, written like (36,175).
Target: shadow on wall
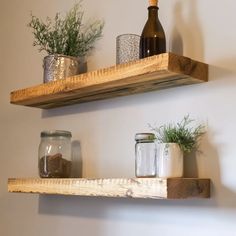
(227,69)
(77,166)
(197,163)
(222,196)
(187,37)
(207,165)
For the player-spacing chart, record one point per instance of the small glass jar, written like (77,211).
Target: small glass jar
(145,155)
(55,154)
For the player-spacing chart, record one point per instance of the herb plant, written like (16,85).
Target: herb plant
(68,35)
(181,133)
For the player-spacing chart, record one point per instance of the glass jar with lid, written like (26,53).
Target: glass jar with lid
(54,160)
(145,155)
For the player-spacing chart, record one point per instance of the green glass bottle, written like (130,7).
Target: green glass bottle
(153,40)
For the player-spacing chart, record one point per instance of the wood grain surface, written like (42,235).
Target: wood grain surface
(152,73)
(154,188)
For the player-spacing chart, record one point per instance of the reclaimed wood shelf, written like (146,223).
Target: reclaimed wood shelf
(155,188)
(152,73)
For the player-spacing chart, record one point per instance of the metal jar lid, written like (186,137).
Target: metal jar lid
(55,133)
(145,137)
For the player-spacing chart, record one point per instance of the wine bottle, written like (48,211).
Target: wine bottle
(152,41)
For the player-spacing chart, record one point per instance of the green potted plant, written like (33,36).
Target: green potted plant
(175,140)
(66,40)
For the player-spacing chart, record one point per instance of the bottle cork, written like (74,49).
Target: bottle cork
(153,2)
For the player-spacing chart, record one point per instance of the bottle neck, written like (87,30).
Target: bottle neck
(153,12)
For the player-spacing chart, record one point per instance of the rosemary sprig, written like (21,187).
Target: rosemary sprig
(68,35)
(182,133)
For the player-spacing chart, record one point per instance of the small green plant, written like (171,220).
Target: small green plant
(68,35)
(181,133)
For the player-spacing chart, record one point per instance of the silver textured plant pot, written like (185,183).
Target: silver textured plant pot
(58,67)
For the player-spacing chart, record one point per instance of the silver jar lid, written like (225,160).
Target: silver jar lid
(145,137)
(55,133)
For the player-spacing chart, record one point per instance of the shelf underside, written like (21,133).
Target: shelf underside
(155,188)
(153,73)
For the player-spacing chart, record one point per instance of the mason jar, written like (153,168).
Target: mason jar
(54,154)
(145,155)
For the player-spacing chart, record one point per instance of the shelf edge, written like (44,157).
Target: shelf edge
(154,188)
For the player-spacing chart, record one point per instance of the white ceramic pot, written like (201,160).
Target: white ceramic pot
(170,162)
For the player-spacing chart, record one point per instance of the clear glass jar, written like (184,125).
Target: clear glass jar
(54,160)
(145,155)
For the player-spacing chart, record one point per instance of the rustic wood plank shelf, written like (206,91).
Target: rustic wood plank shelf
(153,73)
(156,188)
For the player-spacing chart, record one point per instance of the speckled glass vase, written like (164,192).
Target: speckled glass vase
(127,48)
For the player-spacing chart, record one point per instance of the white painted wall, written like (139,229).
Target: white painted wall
(203,30)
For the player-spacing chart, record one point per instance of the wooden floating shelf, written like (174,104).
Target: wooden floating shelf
(153,73)
(155,188)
